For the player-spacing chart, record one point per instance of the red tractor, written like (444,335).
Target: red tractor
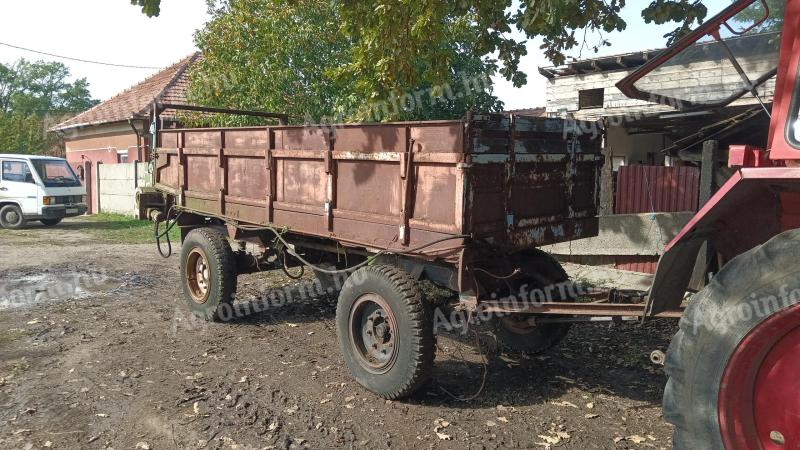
(734,366)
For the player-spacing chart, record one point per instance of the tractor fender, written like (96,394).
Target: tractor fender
(754,205)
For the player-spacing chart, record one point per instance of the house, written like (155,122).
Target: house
(651,183)
(116,130)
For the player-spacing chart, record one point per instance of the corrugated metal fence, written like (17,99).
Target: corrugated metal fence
(643,189)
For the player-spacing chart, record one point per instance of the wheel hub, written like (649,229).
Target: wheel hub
(518,324)
(12,217)
(373,333)
(198,276)
(760,391)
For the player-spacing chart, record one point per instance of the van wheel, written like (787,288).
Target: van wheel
(385,331)
(733,364)
(11,217)
(208,274)
(50,222)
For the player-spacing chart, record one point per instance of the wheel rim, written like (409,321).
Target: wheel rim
(373,333)
(198,276)
(12,217)
(759,399)
(517,324)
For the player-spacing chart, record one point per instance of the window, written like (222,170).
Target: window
(55,173)
(17,171)
(591,98)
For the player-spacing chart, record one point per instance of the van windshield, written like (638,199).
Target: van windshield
(55,173)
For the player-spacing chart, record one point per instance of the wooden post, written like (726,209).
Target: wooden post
(708,168)
(707,188)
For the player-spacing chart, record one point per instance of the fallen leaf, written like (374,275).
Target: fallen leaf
(502,419)
(565,403)
(102,415)
(196,408)
(636,439)
(442,436)
(592,416)
(490,423)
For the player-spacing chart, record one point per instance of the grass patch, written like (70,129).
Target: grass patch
(8,336)
(118,228)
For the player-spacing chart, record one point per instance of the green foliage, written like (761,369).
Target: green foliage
(34,96)
(295,57)
(21,133)
(404,42)
(151,8)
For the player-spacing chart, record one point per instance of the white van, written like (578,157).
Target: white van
(39,188)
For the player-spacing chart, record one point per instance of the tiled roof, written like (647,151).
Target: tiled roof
(168,86)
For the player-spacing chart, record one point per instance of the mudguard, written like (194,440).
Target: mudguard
(754,205)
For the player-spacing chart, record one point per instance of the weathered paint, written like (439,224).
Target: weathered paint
(518,182)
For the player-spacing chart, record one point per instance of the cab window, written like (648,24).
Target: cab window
(17,171)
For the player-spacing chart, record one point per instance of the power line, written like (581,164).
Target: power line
(79,59)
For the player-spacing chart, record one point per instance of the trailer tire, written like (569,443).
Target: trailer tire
(208,274)
(385,331)
(728,339)
(514,332)
(11,217)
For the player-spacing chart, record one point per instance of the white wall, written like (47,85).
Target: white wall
(117,186)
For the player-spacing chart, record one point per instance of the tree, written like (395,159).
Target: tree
(33,96)
(294,57)
(388,35)
(41,88)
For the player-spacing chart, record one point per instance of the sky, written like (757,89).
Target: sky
(113,31)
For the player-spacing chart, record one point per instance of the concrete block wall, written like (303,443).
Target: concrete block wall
(117,184)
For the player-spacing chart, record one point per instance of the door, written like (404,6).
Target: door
(18,185)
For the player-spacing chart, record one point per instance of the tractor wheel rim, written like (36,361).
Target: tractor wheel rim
(198,276)
(759,399)
(373,333)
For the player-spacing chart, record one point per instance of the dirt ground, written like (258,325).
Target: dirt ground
(97,351)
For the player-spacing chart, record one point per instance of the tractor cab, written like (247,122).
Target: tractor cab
(737,52)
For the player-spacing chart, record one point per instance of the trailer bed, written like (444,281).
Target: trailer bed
(513,181)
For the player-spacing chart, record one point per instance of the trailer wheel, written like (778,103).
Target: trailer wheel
(385,331)
(733,365)
(11,217)
(208,272)
(516,332)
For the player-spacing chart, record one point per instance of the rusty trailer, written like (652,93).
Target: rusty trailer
(375,208)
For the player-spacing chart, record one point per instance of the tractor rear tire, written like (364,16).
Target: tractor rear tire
(733,364)
(385,331)
(208,274)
